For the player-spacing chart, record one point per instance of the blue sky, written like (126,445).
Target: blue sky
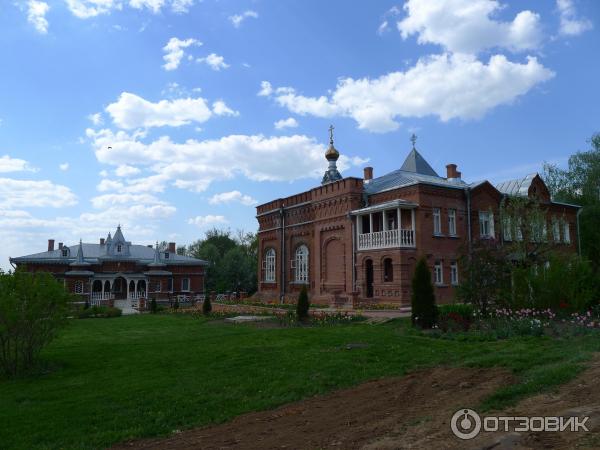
(188,94)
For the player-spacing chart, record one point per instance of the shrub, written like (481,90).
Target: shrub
(424,311)
(153,306)
(99,311)
(458,317)
(303,304)
(33,308)
(206,306)
(176,304)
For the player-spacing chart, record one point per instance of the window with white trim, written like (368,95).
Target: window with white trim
(185,284)
(438,273)
(486,224)
(555,230)
(452,222)
(301,264)
(156,286)
(269,266)
(507,229)
(65,252)
(119,248)
(566,233)
(79,287)
(437,221)
(454,273)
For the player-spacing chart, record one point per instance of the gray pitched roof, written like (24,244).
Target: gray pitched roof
(518,187)
(401,178)
(415,162)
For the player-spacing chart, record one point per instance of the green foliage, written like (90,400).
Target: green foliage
(303,304)
(99,311)
(580,184)
(233,260)
(33,308)
(153,306)
(456,317)
(424,310)
(206,306)
(487,279)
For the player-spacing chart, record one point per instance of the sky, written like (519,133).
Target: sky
(171,117)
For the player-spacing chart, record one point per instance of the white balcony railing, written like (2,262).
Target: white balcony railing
(136,295)
(101,296)
(386,239)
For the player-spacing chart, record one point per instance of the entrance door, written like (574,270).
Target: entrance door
(369,277)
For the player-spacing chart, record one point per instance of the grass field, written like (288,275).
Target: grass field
(135,376)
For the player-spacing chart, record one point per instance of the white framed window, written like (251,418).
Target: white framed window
(452,222)
(454,273)
(65,252)
(555,230)
(301,264)
(166,255)
(185,284)
(269,266)
(79,287)
(486,224)
(438,273)
(119,248)
(566,233)
(156,286)
(507,229)
(437,221)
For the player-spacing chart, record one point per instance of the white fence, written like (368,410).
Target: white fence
(386,239)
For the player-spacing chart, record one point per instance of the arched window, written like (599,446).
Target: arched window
(301,264)
(388,270)
(269,266)
(79,287)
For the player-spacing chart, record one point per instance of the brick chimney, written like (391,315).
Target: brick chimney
(60,245)
(102,241)
(50,245)
(368,173)
(172,247)
(452,173)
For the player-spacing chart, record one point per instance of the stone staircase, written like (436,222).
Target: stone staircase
(125,307)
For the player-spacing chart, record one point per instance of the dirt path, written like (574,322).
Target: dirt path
(412,412)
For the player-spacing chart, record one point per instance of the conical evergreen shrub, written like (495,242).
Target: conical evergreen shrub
(303,304)
(424,309)
(206,306)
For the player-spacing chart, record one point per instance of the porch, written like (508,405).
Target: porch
(386,225)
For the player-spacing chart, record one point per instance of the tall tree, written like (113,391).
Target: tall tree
(580,184)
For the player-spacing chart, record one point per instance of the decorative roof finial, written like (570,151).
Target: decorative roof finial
(332,155)
(331,128)
(413,139)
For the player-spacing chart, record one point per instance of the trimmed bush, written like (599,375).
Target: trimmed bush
(303,304)
(99,311)
(424,310)
(458,317)
(206,306)
(153,306)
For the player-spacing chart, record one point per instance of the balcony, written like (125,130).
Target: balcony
(387,239)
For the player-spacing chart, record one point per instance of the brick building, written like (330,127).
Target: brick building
(115,271)
(354,240)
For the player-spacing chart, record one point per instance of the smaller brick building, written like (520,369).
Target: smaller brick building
(117,271)
(357,240)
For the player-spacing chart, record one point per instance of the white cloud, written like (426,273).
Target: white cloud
(230,197)
(36,15)
(84,9)
(126,171)
(174,51)
(109,185)
(8,164)
(467,26)
(110,200)
(570,24)
(220,108)
(448,86)
(387,17)
(214,61)
(103,173)
(265,89)
(152,5)
(290,122)
(131,111)
(181,6)
(237,19)
(194,165)
(64,166)
(203,221)
(96,118)
(30,193)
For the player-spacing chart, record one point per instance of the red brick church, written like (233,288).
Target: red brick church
(356,240)
(115,271)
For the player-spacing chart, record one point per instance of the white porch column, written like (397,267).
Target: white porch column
(370,222)
(136,288)
(102,289)
(399,212)
(385,225)
(412,216)
(127,281)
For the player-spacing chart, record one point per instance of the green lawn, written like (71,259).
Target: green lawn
(115,379)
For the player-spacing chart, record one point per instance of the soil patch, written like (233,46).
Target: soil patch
(350,418)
